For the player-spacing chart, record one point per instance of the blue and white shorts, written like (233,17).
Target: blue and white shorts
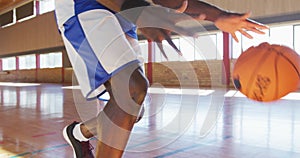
(95,42)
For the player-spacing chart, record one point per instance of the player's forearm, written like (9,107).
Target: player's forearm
(212,12)
(119,5)
(195,7)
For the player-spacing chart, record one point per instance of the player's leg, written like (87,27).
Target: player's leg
(83,131)
(77,134)
(112,112)
(127,89)
(88,128)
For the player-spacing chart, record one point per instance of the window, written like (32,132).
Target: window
(210,47)
(7,18)
(297,38)
(276,35)
(144,50)
(51,60)
(206,48)
(9,63)
(25,12)
(236,46)
(257,39)
(46,6)
(170,51)
(27,62)
(187,47)
(282,35)
(219,45)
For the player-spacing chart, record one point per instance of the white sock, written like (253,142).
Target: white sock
(78,134)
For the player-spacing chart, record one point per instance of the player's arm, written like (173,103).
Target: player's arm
(224,20)
(154,22)
(195,7)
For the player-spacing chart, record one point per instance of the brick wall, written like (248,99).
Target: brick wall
(173,74)
(188,74)
(50,75)
(170,74)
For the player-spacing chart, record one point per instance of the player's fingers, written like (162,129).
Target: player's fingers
(252,23)
(233,35)
(245,34)
(256,30)
(167,37)
(171,43)
(160,46)
(260,26)
(157,35)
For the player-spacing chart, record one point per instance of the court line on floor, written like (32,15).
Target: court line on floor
(143,143)
(39,151)
(160,156)
(189,148)
(178,151)
(42,150)
(45,134)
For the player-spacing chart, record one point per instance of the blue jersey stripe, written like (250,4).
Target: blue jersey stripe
(74,33)
(84,5)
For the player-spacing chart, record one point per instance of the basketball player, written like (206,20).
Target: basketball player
(102,49)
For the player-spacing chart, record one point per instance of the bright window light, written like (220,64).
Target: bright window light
(51,60)
(12,84)
(46,6)
(200,92)
(27,62)
(9,63)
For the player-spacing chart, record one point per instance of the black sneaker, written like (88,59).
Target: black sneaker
(80,149)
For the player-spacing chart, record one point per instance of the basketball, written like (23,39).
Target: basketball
(267,72)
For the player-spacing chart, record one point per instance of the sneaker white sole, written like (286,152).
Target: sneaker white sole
(65,135)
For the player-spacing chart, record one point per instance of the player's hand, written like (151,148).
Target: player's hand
(156,23)
(158,35)
(233,22)
(166,18)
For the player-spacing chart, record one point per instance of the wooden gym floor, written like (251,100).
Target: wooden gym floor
(186,123)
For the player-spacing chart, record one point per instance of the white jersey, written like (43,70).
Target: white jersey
(95,43)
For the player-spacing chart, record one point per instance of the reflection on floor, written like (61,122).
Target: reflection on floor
(180,123)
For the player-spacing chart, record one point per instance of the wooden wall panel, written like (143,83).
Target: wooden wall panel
(6,5)
(41,32)
(259,8)
(30,35)
(168,73)
(44,77)
(39,76)
(69,76)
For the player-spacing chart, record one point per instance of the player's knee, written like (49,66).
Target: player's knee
(138,86)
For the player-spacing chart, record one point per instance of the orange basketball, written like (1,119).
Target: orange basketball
(267,72)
